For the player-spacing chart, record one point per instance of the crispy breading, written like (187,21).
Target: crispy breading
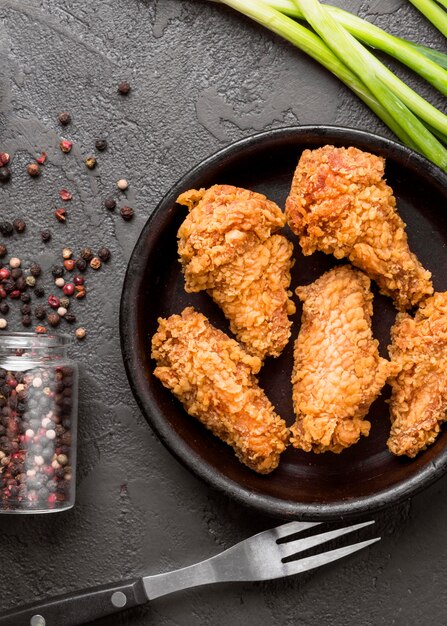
(340,204)
(214,378)
(227,247)
(418,403)
(337,370)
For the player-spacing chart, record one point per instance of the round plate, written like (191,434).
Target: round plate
(366,476)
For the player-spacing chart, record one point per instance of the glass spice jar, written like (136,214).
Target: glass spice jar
(38,420)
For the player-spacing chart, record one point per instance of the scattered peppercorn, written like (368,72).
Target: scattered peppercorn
(35,269)
(5,174)
(4,159)
(69,264)
(78,280)
(64,118)
(3,251)
(3,323)
(59,282)
(67,253)
(95,263)
(90,162)
(53,319)
(80,292)
(68,289)
(65,145)
(57,271)
(41,158)
(26,320)
(110,204)
(4,273)
(86,253)
(123,88)
(16,272)
(60,214)
(80,333)
(40,330)
(61,311)
(127,213)
(81,264)
(65,195)
(104,254)
(19,225)
(70,318)
(30,281)
(45,235)
(14,262)
(65,302)
(33,170)
(39,292)
(21,284)
(101,145)
(25,309)
(53,302)
(122,184)
(40,312)
(25,298)
(4,308)
(6,229)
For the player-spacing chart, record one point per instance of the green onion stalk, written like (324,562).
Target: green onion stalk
(399,107)
(433,12)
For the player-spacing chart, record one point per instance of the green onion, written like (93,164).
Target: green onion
(434,13)
(425,61)
(393,101)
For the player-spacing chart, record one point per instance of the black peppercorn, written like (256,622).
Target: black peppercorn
(123,88)
(26,320)
(6,229)
(3,251)
(21,284)
(64,118)
(126,213)
(110,204)
(25,309)
(70,318)
(39,292)
(25,298)
(81,265)
(4,308)
(19,225)
(40,312)
(35,269)
(45,235)
(87,253)
(16,272)
(8,285)
(5,174)
(53,319)
(104,254)
(101,145)
(58,271)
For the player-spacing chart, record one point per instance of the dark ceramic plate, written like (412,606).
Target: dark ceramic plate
(363,478)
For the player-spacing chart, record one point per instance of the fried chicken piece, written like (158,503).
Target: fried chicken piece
(227,248)
(418,403)
(340,204)
(214,378)
(337,371)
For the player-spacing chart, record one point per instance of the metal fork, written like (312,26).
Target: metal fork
(260,557)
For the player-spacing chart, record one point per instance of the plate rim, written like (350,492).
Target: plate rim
(270,505)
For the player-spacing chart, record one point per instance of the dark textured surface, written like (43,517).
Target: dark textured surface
(202,76)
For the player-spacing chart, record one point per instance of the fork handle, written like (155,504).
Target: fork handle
(79,608)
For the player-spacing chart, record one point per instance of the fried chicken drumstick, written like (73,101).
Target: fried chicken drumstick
(227,248)
(340,204)
(337,370)
(418,402)
(214,378)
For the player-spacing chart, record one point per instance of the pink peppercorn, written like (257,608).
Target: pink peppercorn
(78,280)
(4,273)
(54,302)
(68,289)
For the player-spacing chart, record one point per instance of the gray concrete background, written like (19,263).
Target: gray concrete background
(202,76)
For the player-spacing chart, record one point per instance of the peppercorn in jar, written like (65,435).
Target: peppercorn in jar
(38,418)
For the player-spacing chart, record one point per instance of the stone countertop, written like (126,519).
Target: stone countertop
(201,76)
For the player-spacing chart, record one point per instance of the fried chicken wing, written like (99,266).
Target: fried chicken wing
(418,403)
(337,370)
(340,204)
(227,247)
(215,380)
